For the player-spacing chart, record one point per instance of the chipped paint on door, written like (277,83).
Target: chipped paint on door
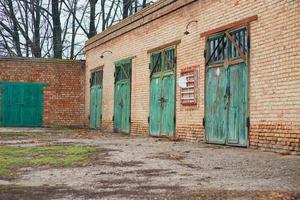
(122,99)
(226,99)
(96,99)
(162,93)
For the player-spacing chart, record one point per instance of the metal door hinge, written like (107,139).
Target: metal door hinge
(204,53)
(175,60)
(174,119)
(148,120)
(115,74)
(203,122)
(129,119)
(149,65)
(248,122)
(113,118)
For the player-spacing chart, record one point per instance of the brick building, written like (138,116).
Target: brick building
(41,92)
(223,71)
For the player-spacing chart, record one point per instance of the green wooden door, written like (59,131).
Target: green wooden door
(155,106)
(122,99)
(95,106)
(215,126)
(125,107)
(96,99)
(162,93)
(168,105)
(226,100)
(22,104)
(237,104)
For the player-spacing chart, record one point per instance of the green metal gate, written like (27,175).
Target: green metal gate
(21,104)
(122,99)
(162,93)
(96,99)
(226,100)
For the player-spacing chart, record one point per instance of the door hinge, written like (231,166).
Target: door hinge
(149,65)
(113,118)
(175,60)
(174,119)
(248,122)
(114,74)
(148,119)
(203,122)
(101,116)
(129,119)
(204,53)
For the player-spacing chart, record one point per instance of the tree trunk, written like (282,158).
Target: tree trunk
(125,8)
(135,5)
(36,15)
(92,31)
(144,3)
(15,35)
(73,30)
(57,43)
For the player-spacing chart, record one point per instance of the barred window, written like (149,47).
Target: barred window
(220,47)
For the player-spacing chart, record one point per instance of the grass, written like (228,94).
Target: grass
(13,158)
(50,135)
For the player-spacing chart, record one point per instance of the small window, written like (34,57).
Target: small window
(122,71)
(220,48)
(169,59)
(163,60)
(156,62)
(96,78)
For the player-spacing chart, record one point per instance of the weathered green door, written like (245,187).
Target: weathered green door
(215,126)
(122,100)
(155,106)
(95,106)
(237,104)
(96,99)
(226,100)
(21,104)
(162,93)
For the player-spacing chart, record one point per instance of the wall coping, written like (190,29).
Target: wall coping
(148,14)
(41,60)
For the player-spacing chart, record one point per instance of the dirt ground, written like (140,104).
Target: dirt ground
(132,167)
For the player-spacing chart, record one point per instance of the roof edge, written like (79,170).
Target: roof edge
(40,60)
(142,15)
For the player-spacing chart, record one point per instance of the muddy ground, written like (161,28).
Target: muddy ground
(151,168)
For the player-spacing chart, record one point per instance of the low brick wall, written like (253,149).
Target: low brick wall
(63,98)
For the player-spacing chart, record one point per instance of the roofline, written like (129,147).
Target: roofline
(143,16)
(40,60)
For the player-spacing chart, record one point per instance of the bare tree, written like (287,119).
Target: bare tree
(57,42)
(57,28)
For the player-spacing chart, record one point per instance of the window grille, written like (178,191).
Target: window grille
(220,48)
(96,78)
(163,60)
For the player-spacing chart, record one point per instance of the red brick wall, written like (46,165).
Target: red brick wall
(63,98)
(274,71)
